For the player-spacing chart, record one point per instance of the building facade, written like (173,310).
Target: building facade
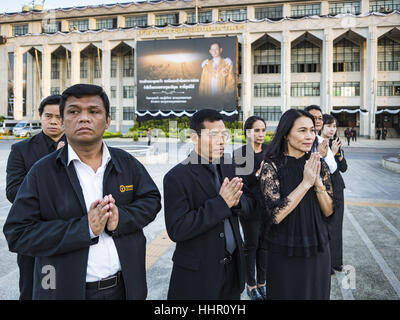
(341,55)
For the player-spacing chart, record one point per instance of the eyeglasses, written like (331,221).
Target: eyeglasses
(215,134)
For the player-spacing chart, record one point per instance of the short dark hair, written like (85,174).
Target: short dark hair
(53,99)
(250,121)
(197,120)
(313,107)
(82,89)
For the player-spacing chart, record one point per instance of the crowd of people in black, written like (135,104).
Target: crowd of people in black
(80,206)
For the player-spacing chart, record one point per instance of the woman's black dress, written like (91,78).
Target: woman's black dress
(255,255)
(298,261)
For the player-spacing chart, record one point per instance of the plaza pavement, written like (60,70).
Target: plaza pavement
(371,224)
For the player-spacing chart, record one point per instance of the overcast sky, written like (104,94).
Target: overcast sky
(16,5)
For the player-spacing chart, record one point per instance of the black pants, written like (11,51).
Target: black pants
(335,227)
(255,255)
(114,293)
(230,289)
(26,266)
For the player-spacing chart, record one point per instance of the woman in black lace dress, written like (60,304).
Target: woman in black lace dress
(298,197)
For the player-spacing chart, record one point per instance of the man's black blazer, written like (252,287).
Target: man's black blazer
(48,220)
(194,217)
(22,157)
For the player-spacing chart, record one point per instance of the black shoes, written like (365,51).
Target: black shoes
(338,268)
(254,294)
(263,292)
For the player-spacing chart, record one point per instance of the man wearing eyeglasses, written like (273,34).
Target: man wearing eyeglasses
(202,200)
(22,157)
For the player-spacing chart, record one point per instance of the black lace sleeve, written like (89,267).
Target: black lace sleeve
(270,188)
(326,178)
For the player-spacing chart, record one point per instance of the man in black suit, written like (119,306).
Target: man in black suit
(202,200)
(22,157)
(81,210)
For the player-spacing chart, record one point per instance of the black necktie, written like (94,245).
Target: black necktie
(229,237)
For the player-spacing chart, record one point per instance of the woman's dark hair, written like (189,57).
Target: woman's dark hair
(328,119)
(278,146)
(250,121)
(197,120)
(81,90)
(53,99)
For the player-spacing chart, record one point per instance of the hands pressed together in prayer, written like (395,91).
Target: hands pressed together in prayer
(103,213)
(231,191)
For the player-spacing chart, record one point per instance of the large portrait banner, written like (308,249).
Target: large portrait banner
(185,75)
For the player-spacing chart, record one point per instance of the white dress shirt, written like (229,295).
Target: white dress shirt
(330,158)
(103,260)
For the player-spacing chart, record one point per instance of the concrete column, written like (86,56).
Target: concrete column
(18,83)
(4,83)
(30,85)
(251,12)
(326,86)
(286,10)
(121,21)
(75,64)
(364,6)
(285,71)
(64,25)
(6,30)
(215,14)
(151,19)
(364,119)
(372,71)
(247,72)
(46,71)
(35,27)
(106,67)
(182,17)
(324,8)
(92,23)
(119,95)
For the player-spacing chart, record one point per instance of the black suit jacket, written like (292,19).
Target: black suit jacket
(48,220)
(194,217)
(22,157)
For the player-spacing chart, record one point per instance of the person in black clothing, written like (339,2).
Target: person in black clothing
(384,133)
(252,155)
(347,134)
(297,190)
(80,211)
(22,157)
(335,225)
(353,134)
(202,200)
(378,133)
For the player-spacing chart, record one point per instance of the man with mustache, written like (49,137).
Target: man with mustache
(81,211)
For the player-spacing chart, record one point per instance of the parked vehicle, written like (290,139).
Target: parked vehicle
(27,128)
(6,127)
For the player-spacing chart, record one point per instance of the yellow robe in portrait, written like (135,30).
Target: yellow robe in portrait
(226,79)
